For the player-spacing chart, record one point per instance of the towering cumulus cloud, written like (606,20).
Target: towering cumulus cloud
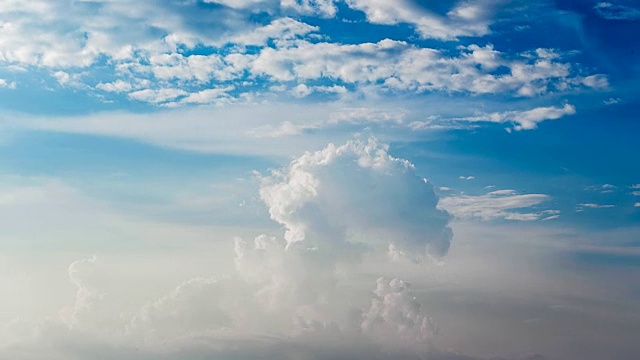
(357,194)
(336,204)
(299,295)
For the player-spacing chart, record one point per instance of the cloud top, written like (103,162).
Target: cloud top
(357,193)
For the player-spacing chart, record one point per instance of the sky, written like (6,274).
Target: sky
(319,179)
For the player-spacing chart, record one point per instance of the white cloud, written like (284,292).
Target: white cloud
(465,19)
(611,11)
(118,86)
(331,198)
(636,205)
(594,206)
(597,81)
(466,177)
(525,120)
(290,289)
(279,303)
(612,101)
(403,67)
(147,42)
(208,96)
(7,84)
(496,205)
(395,317)
(323,8)
(157,96)
(281,30)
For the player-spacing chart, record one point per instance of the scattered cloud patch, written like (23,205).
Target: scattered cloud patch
(612,11)
(465,19)
(157,96)
(466,177)
(612,101)
(7,84)
(525,120)
(593,206)
(496,205)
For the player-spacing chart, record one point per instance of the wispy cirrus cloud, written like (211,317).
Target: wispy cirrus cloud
(581,207)
(525,120)
(612,11)
(497,205)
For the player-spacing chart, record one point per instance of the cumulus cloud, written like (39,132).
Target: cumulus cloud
(157,96)
(143,45)
(496,205)
(400,66)
(525,120)
(395,315)
(286,294)
(331,197)
(470,18)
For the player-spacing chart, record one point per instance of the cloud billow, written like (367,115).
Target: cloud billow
(287,295)
(357,194)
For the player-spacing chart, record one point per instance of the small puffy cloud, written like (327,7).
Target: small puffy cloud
(7,84)
(525,120)
(496,205)
(208,96)
(466,177)
(322,8)
(612,101)
(465,19)
(597,81)
(301,90)
(157,96)
(281,30)
(637,204)
(612,11)
(118,86)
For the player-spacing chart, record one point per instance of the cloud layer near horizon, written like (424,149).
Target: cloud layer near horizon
(337,205)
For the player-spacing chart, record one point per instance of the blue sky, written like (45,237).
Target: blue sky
(460,146)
